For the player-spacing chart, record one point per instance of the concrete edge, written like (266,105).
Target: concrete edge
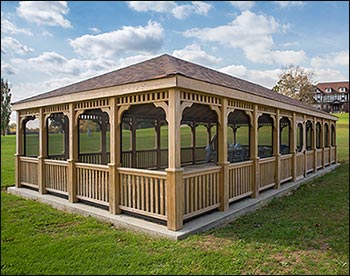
(200,224)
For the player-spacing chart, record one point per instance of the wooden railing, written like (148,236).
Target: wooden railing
(93,183)
(56,176)
(240,177)
(93,157)
(267,173)
(309,161)
(319,158)
(300,164)
(333,153)
(326,156)
(201,191)
(29,171)
(286,167)
(143,192)
(145,159)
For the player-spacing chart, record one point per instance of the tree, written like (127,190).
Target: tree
(5,105)
(296,83)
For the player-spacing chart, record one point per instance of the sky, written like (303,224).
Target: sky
(47,45)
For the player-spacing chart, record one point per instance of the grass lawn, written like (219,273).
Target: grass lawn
(304,233)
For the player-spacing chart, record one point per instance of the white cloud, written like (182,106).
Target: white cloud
(171,7)
(266,78)
(94,30)
(194,53)
(329,75)
(12,44)
(285,4)
(46,33)
(49,13)
(332,60)
(253,34)
(243,5)
(7,69)
(145,40)
(10,28)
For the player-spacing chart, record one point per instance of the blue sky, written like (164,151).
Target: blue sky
(46,45)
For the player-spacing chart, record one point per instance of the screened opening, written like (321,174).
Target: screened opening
(332,135)
(94,137)
(326,135)
(238,136)
(198,135)
(308,135)
(57,137)
(265,137)
(31,136)
(144,137)
(318,135)
(300,137)
(285,134)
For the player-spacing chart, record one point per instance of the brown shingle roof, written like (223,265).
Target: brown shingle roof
(166,66)
(334,85)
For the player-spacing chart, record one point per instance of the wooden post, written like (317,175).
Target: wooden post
(19,149)
(133,142)
(329,143)
(314,139)
(115,152)
(73,155)
(322,142)
(175,189)
(193,130)
(103,139)
(222,158)
(42,152)
(158,125)
(304,144)
(254,152)
(335,144)
(294,133)
(276,148)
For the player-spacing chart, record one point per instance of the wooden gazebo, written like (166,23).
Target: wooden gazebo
(254,139)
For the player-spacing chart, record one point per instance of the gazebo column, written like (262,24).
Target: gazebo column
(323,143)
(329,142)
(174,186)
(222,157)
(73,154)
(193,127)
(314,139)
(157,127)
(304,144)
(103,139)
(335,144)
(115,157)
(254,140)
(19,149)
(42,151)
(293,144)
(133,142)
(276,150)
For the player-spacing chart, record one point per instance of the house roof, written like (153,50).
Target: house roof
(334,85)
(167,66)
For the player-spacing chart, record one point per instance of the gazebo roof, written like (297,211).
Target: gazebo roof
(167,66)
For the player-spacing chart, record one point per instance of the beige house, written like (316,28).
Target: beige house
(254,139)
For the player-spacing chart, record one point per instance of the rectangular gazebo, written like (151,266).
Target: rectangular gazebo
(168,140)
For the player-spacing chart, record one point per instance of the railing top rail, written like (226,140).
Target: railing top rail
(267,160)
(29,159)
(56,162)
(133,171)
(194,172)
(240,164)
(92,166)
(286,156)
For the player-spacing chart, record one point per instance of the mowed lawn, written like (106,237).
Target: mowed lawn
(304,233)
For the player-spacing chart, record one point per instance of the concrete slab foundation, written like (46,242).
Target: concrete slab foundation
(196,225)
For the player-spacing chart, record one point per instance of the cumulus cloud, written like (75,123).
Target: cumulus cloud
(285,4)
(171,7)
(12,44)
(7,69)
(49,13)
(94,30)
(332,60)
(194,53)
(141,39)
(253,34)
(242,5)
(266,78)
(8,27)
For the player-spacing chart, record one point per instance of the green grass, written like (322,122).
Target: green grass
(304,233)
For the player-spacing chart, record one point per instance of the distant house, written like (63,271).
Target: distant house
(332,96)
